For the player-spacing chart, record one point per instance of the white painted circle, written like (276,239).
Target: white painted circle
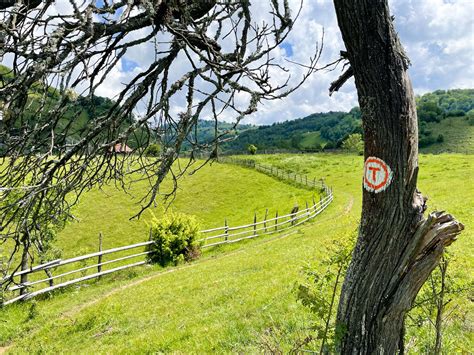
(377,175)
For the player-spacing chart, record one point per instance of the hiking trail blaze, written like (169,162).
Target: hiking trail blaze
(377,175)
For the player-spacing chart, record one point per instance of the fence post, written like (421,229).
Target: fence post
(99,258)
(265,220)
(306,176)
(276,220)
(307,207)
(226,230)
(293,214)
(255,223)
(314,182)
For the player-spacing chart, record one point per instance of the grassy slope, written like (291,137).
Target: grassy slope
(312,140)
(458,136)
(213,194)
(238,301)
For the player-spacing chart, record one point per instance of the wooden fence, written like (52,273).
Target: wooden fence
(227,234)
(61,273)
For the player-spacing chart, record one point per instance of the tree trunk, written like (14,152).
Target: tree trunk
(24,266)
(397,247)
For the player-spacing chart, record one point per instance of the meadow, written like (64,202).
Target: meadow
(458,136)
(239,299)
(214,194)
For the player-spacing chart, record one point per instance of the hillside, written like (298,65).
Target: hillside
(216,193)
(439,131)
(458,136)
(309,133)
(240,301)
(206,130)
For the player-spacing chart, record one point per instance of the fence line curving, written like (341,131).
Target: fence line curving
(212,237)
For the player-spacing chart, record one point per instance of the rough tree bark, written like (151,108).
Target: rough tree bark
(397,247)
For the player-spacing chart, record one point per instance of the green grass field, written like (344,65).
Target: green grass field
(241,299)
(312,140)
(215,193)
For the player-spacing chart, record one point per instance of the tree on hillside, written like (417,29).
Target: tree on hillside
(252,149)
(354,143)
(397,247)
(205,58)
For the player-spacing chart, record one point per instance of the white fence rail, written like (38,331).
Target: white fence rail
(30,282)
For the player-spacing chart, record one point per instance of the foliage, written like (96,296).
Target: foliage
(433,308)
(354,143)
(437,105)
(333,127)
(252,149)
(470,114)
(328,130)
(456,132)
(320,290)
(153,150)
(176,239)
(206,130)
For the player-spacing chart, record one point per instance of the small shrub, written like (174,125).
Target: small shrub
(470,116)
(175,236)
(252,149)
(153,150)
(440,138)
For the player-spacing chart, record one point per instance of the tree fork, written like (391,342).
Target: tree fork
(397,247)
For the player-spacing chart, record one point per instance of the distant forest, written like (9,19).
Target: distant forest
(320,131)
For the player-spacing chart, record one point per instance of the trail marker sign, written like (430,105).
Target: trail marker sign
(377,175)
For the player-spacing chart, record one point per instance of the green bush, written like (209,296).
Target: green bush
(440,138)
(471,121)
(176,239)
(426,141)
(153,150)
(252,149)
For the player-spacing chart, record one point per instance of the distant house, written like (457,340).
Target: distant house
(120,148)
